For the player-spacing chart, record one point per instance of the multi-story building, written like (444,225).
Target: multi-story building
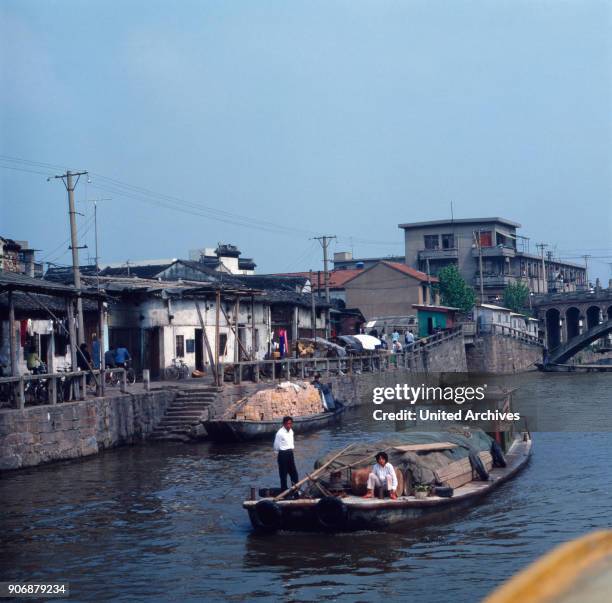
(17,256)
(492,243)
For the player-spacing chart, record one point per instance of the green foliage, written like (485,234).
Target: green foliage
(516,296)
(454,291)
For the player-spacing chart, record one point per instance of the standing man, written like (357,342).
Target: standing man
(283,445)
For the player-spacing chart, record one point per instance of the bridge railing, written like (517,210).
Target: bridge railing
(507,331)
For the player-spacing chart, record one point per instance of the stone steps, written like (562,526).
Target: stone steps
(190,407)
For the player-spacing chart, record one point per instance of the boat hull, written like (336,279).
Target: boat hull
(240,431)
(375,514)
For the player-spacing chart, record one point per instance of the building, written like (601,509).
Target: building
(225,258)
(337,280)
(389,289)
(39,311)
(17,256)
(504,254)
(344,260)
(434,318)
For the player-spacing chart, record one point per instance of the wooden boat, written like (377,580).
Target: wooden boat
(351,512)
(577,571)
(238,430)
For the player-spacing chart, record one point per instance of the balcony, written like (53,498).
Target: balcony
(438,254)
(494,252)
(495,280)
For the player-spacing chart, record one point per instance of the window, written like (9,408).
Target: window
(190,346)
(448,241)
(180,346)
(486,238)
(432,241)
(222,343)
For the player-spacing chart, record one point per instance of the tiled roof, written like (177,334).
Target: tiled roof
(337,278)
(421,276)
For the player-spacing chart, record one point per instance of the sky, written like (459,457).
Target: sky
(264,124)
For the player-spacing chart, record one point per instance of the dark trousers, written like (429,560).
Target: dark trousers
(286,465)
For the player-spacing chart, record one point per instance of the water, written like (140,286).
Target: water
(162,522)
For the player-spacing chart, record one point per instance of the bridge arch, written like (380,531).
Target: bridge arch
(592,316)
(553,328)
(572,322)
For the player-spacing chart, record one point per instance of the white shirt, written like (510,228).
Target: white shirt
(283,440)
(382,472)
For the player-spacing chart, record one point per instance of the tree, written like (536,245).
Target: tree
(454,291)
(516,296)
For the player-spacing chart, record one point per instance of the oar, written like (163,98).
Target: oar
(313,475)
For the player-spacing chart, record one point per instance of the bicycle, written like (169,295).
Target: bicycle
(177,370)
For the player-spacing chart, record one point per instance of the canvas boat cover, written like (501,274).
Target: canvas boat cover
(421,465)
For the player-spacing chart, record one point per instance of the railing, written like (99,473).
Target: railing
(508,331)
(53,388)
(303,368)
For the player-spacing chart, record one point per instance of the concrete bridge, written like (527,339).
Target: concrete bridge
(565,351)
(565,316)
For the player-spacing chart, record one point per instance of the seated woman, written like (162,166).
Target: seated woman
(382,476)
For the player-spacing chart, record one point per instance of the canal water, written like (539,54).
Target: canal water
(161,522)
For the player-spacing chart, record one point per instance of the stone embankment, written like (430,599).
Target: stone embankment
(41,434)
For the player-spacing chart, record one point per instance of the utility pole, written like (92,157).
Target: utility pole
(541,247)
(325,240)
(313,313)
(97,258)
(479,243)
(70,185)
(586,257)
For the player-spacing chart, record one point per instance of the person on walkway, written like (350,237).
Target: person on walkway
(284,446)
(83,358)
(122,356)
(95,351)
(395,336)
(109,358)
(409,339)
(382,476)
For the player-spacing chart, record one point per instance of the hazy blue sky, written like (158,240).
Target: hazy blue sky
(343,117)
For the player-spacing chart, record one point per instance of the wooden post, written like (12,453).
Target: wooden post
(273,370)
(12,335)
(21,394)
(236,334)
(288,369)
(146,379)
(219,378)
(253,332)
(73,343)
(101,346)
(53,390)
(123,381)
(83,379)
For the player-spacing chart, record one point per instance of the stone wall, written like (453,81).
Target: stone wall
(42,434)
(491,353)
